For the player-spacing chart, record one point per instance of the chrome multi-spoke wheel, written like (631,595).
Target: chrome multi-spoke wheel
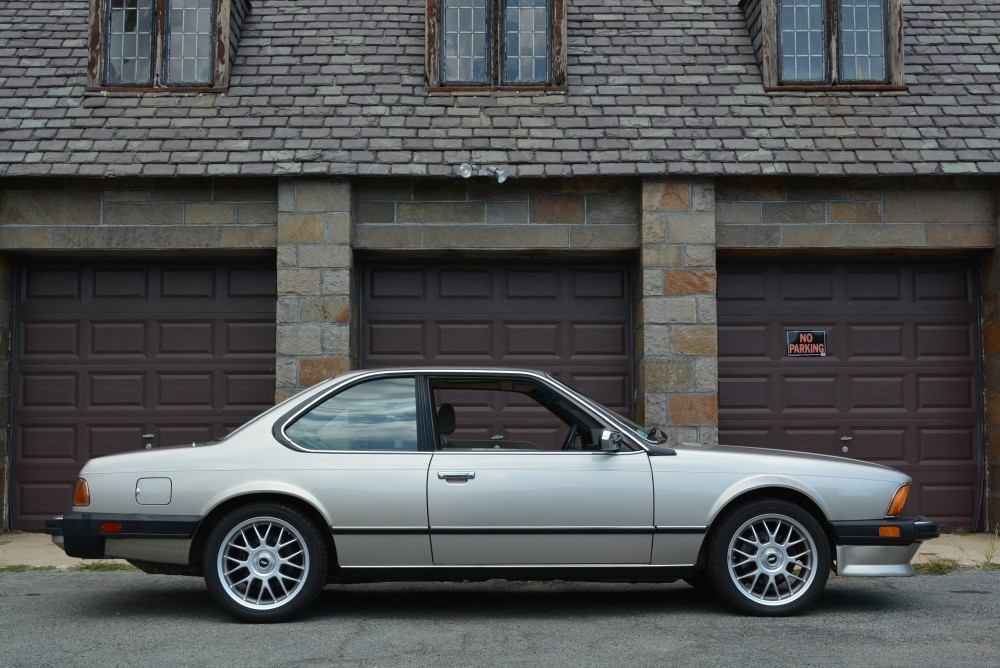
(264,562)
(769,557)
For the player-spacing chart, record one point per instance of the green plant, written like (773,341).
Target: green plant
(22,568)
(990,552)
(102,566)
(935,565)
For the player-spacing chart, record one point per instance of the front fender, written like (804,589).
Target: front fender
(761,482)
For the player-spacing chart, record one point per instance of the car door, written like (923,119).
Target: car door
(517,479)
(510,508)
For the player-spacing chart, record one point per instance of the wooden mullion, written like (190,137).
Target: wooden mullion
(832,41)
(497,49)
(159,43)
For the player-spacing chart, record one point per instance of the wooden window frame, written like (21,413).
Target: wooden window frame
(770,58)
(495,46)
(98,45)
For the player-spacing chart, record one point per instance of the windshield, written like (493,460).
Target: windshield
(649,434)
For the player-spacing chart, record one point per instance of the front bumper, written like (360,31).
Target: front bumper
(862,551)
(83,535)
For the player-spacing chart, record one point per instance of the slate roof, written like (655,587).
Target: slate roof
(654,87)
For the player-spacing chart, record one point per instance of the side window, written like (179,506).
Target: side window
(380,414)
(507,415)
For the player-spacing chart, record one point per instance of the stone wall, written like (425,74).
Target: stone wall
(483,215)
(315,310)
(5,452)
(827,214)
(676,338)
(136,214)
(990,278)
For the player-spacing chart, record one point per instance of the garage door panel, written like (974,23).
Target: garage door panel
(475,285)
(610,389)
(118,340)
(900,378)
(153,346)
(402,340)
(396,284)
(532,340)
(944,341)
(120,283)
(596,340)
(526,284)
(463,340)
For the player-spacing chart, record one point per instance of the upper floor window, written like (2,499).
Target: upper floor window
(152,44)
(833,40)
(496,43)
(827,43)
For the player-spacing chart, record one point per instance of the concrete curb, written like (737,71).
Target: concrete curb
(36,550)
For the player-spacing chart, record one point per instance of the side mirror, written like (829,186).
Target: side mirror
(611,441)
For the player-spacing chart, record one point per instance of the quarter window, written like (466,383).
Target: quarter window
(379,414)
(833,41)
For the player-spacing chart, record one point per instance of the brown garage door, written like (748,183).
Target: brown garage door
(108,352)
(570,320)
(898,386)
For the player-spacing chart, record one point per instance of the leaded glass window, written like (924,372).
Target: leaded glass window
(190,50)
(526,41)
(862,40)
(130,42)
(495,42)
(803,40)
(833,41)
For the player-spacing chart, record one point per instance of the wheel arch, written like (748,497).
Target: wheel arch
(771,491)
(213,517)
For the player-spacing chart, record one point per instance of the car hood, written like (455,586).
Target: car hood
(766,460)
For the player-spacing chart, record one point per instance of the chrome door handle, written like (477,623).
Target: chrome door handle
(456,475)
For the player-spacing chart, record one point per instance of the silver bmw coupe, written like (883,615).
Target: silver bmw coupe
(472,474)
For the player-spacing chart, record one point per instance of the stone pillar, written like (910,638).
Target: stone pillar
(990,309)
(676,335)
(5,426)
(314,283)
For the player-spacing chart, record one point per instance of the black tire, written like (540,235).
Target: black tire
(265,562)
(768,557)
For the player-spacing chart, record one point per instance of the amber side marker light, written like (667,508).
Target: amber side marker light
(81,495)
(898,501)
(111,527)
(889,532)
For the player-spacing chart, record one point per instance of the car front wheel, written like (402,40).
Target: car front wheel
(769,557)
(265,562)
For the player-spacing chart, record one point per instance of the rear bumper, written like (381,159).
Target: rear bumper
(862,551)
(84,535)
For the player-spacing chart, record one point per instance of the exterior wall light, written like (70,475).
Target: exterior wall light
(465,170)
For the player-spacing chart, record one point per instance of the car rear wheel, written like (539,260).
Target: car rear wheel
(769,557)
(265,562)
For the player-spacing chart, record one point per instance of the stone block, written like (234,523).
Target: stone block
(338,228)
(248,236)
(297,228)
(854,212)
(322,196)
(654,226)
(507,213)
(384,189)
(167,237)
(729,213)
(287,309)
(441,212)
(703,196)
(694,409)
(395,237)
(257,213)
(691,228)
(500,237)
(298,339)
(324,256)
(210,213)
(749,236)
(326,309)
(50,208)
(299,281)
(244,190)
(375,212)
(182,190)
(690,281)
(314,370)
(939,206)
(613,209)
(695,340)
(564,209)
(655,341)
(668,375)
(961,236)
(652,283)
(991,338)
(135,214)
(286,372)
(794,213)
(440,190)
(669,310)
(699,255)
(854,236)
(24,238)
(662,256)
(706,374)
(336,339)
(602,237)
(337,281)
(666,196)
(760,189)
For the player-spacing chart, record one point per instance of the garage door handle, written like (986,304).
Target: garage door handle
(456,475)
